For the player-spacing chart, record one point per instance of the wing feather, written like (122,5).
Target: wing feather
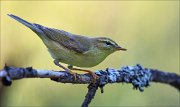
(70,41)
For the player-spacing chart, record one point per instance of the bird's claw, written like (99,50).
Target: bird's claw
(95,78)
(73,73)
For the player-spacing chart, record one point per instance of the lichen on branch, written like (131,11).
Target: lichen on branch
(137,75)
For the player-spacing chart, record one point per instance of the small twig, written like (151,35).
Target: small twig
(92,88)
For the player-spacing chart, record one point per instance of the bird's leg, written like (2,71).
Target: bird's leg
(95,77)
(56,62)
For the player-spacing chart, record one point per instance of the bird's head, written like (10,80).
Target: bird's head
(107,45)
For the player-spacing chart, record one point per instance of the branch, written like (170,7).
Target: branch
(137,75)
(92,88)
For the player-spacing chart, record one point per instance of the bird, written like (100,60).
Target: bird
(73,49)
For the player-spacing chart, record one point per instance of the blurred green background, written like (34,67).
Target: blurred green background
(148,29)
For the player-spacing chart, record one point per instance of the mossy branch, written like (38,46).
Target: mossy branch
(137,75)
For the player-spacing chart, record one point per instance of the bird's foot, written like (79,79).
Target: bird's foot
(95,77)
(73,73)
(56,62)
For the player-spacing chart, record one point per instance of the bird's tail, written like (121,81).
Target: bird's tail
(32,26)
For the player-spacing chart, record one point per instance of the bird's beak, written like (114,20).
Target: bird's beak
(120,48)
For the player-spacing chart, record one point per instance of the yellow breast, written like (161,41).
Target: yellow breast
(64,55)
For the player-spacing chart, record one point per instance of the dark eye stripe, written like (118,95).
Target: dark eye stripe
(108,42)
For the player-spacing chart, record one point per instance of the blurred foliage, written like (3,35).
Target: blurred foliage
(148,29)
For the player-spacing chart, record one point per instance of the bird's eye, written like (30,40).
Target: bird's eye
(108,43)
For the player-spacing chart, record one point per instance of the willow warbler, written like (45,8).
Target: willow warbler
(72,49)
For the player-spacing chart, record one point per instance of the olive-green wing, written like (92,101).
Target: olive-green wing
(70,41)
